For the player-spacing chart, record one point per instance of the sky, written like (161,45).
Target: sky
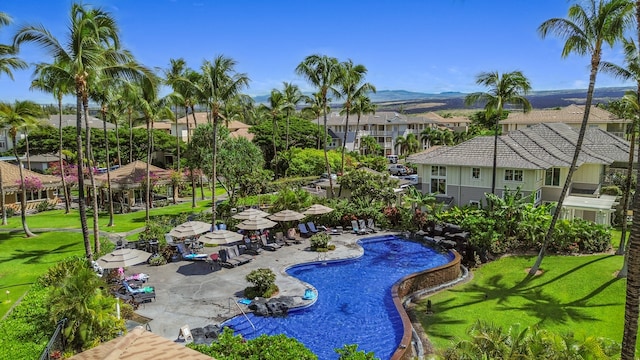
(428,46)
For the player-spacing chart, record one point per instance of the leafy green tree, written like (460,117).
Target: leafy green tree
(370,146)
(263,280)
(238,159)
(585,30)
(303,135)
(309,161)
(324,73)
(368,187)
(16,117)
(508,88)
(292,97)
(276,104)
(362,105)
(351,352)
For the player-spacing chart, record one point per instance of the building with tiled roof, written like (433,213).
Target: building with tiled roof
(535,159)
(11,182)
(571,115)
(179,128)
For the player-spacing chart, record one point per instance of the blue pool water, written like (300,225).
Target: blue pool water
(354,304)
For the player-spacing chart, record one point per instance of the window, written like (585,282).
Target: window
(439,171)
(439,179)
(537,197)
(475,173)
(513,175)
(474,204)
(552,177)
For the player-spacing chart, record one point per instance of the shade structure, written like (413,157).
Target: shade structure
(249,213)
(317,209)
(220,237)
(190,228)
(286,215)
(122,258)
(256,223)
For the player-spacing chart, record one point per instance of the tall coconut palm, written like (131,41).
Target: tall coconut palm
(314,107)
(362,105)
(292,97)
(632,301)
(92,47)
(585,30)
(324,73)
(351,86)
(15,117)
(427,136)
(220,84)
(8,62)
(50,79)
(508,88)
(277,103)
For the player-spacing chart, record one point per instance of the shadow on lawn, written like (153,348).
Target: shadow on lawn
(496,294)
(38,256)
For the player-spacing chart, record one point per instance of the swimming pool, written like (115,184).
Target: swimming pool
(354,304)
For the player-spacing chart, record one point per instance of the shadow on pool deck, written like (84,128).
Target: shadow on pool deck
(190,293)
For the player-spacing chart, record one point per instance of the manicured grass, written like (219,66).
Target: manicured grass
(23,260)
(578,294)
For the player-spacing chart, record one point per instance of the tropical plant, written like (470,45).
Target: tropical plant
(276,104)
(292,97)
(324,73)
(263,281)
(585,30)
(15,117)
(351,352)
(508,88)
(362,105)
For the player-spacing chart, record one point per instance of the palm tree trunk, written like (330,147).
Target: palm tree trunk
(65,190)
(495,152)
(214,174)
(356,135)
(82,207)
(326,157)
(595,62)
(118,142)
(275,148)
(627,194)
(287,138)
(319,137)
(147,172)
(344,141)
(94,192)
(2,199)
(23,198)
(177,144)
(130,137)
(106,147)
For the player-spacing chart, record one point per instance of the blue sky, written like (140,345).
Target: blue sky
(416,45)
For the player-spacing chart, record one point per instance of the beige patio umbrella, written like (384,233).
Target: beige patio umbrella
(220,237)
(190,228)
(249,213)
(256,223)
(286,215)
(317,209)
(122,258)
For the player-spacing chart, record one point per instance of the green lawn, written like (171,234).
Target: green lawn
(578,294)
(23,260)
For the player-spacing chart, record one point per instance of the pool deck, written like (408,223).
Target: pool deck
(191,293)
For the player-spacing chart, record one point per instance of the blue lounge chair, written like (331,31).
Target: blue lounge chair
(304,232)
(312,227)
(188,255)
(363,226)
(356,229)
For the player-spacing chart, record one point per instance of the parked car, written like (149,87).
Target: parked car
(398,170)
(393,159)
(413,179)
(326,176)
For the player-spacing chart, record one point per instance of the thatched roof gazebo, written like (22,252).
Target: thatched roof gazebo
(47,184)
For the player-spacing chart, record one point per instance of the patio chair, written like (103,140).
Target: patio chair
(304,232)
(363,226)
(292,236)
(371,225)
(312,227)
(356,229)
(234,253)
(265,244)
(188,255)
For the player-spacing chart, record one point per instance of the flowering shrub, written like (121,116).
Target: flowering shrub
(31,183)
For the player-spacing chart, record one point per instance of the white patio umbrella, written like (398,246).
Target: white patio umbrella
(286,215)
(122,258)
(190,228)
(256,223)
(220,237)
(249,213)
(317,209)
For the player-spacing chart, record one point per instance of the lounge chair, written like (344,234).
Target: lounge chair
(363,226)
(356,229)
(371,225)
(304,232)
(188,255)
(312,227)
(269,246)
(141,294)
(236,254)
(292,236)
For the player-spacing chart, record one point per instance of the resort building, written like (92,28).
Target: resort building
(184,132)
(571,115)
(535,159)
(386,127)
(40,188)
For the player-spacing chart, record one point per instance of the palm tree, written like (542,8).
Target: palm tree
(220,84)
(175,71)
(91,31)
(15,117)
(315,108)
(8,63)
(50,79)
(277,102)
(362,105)
(427,136)
(324,73)
(630,102)
(508,88)
(585,31)
(401,144)
(292,97)
(351,86)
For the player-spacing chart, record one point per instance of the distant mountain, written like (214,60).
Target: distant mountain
(417,102)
